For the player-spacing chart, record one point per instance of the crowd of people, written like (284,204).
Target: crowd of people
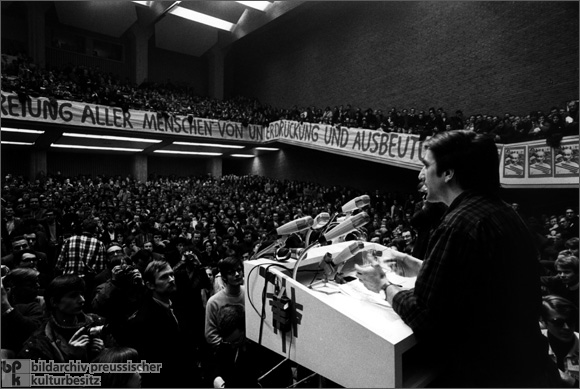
(126,256)
(90,85)
(110,269)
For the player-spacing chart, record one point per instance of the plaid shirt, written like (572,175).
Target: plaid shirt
(80,251)
(478,289)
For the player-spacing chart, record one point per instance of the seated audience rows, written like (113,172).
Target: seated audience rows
(84,84)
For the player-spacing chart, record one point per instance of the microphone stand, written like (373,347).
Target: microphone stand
(301,258)
(271,248)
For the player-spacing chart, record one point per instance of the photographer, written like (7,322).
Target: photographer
(69,334)
(22,308)
(120,297)
(190,279)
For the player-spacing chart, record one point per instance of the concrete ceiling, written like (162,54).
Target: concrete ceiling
(114,18)
(173,33)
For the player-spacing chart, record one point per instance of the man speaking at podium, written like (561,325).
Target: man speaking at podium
(476,301)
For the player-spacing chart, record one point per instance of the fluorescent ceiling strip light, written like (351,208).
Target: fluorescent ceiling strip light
(201,18)
(259,5)
(208,145)
(242,155)
(110,137)
(7,142)
(94,148)
(22,130)
(267,148)
(186,152)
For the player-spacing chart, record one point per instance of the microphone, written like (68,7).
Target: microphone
(348,225)
(321,220)
(350,251)
(295,226)
(356,203)
(283,253)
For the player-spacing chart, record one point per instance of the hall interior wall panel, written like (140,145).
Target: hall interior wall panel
(92,164)
(14,29)
(177,166)
(488,57)
(180,69)
(301,164)
(15,160)
(62,58)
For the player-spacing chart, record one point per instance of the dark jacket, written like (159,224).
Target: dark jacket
(20,324)
(50,342)
(155,333)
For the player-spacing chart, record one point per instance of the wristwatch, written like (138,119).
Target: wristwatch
(389,283)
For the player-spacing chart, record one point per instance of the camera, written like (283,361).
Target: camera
(96,330)
(190,257)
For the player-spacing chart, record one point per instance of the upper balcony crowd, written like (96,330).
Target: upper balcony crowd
(90,85)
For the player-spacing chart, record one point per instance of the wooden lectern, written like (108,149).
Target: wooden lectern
(342,332)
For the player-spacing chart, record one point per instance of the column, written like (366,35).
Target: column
(214,167)
(216,60)
(37,163)
(37,32)
(140,52)
(216,73)
(140,168)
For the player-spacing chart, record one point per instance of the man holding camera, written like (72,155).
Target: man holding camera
(70,334)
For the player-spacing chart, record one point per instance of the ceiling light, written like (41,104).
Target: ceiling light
(145,3)
(110,137)
(94,148)
(201,18)
(22,130)
(7,142)
(208,145)
(242,155)
(259,5)
(267,148)
(187,152)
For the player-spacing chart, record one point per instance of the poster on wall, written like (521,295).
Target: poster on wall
(540,161)
(566,160)
(514,162)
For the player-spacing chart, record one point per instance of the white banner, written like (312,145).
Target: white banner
(99,116)
(403,150)
(528,164)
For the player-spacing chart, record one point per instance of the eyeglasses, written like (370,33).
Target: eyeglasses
(116,252)
(20,246)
